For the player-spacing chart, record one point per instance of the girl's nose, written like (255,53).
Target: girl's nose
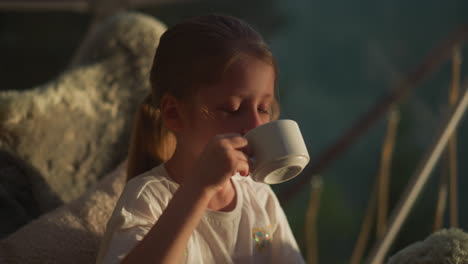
(252,120)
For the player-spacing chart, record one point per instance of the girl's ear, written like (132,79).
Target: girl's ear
(171,113)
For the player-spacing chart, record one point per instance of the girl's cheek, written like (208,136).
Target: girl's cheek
(228,125)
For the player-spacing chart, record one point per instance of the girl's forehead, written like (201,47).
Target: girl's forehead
(245,77)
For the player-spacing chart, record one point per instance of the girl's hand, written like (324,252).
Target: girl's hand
(221,159)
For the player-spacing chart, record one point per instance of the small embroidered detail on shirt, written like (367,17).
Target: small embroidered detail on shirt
(262,237)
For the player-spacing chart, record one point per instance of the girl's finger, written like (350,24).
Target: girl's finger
(243,168)
(236,141)
(228,135)
(247,150)
(241,155)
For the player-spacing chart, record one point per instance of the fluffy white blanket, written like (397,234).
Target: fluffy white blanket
(443,247)
(71,233)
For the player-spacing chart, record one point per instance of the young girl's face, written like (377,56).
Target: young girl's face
(239,102)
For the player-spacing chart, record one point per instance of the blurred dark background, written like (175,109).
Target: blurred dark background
(336,58)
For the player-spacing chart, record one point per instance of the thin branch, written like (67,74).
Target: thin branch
(430,64)
(81,6)
(419,178)
(76,6)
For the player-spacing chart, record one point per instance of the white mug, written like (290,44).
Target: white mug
(278,151)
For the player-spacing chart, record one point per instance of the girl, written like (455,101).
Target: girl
(189,198)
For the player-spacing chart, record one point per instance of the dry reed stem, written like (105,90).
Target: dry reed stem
(449,167)
(381,188)
(311,220)
(441,197)
(430,64)
(384,174)
(419,178)
(452,147)
(366,227)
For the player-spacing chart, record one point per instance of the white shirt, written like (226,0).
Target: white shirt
(255,231)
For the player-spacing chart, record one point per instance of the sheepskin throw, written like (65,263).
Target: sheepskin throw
(443,247)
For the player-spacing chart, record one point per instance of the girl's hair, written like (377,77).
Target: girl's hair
(190,55)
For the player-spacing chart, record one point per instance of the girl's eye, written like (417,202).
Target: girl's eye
(230,110)
(263,110)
